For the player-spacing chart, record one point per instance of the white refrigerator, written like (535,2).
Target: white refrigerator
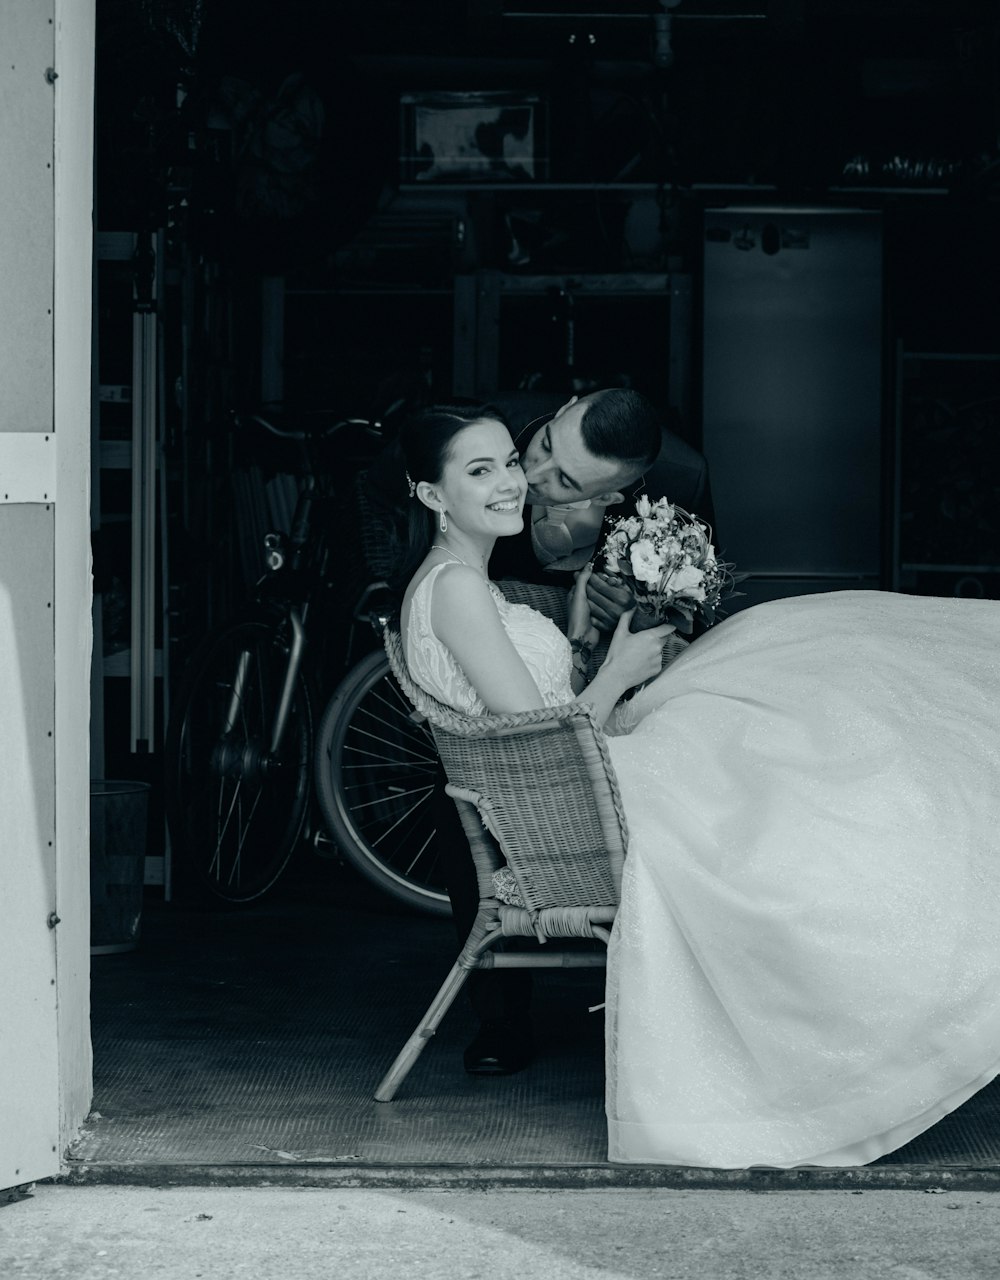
(792,402)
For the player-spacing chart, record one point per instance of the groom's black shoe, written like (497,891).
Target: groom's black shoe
(502,1047)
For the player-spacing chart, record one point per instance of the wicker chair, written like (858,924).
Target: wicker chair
(542,783)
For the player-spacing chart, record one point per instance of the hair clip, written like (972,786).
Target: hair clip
(410,483)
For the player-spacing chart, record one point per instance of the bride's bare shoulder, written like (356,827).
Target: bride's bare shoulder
(454,584)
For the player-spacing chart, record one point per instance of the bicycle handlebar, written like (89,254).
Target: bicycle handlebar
(374,426)
(319,433)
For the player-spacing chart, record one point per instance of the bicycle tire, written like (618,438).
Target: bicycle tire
(235,811)
(375,774)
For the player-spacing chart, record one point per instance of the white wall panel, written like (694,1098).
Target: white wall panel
(46,234)
(27,52)
(29,1060)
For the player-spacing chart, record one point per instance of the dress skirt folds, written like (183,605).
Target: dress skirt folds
(805,968)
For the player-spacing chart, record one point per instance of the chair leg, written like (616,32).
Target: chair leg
(430,1022)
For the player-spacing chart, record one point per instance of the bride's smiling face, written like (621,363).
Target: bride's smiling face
(482,486)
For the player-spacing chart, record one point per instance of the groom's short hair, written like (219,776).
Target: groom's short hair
(622,425)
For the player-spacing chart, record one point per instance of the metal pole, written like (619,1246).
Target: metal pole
(143,559)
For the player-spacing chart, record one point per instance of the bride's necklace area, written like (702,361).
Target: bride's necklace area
(448,552)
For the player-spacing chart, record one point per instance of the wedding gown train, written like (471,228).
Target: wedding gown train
(805,965)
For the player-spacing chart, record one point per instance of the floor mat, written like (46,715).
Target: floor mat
(258,1037)
(262,1033)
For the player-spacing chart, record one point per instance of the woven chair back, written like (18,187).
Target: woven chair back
(545,787)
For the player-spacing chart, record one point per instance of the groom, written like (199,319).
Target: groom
(585,459)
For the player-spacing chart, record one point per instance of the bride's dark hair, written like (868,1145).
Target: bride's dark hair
(421,450)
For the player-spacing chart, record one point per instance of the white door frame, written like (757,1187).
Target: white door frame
(46,245)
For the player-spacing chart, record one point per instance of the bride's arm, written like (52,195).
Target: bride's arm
(633,657)
(465,619)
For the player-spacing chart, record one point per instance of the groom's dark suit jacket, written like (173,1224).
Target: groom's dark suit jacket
(679,473)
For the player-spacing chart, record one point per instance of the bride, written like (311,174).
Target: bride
(804,968)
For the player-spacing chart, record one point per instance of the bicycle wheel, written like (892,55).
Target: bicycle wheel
(235,807)
(375,775)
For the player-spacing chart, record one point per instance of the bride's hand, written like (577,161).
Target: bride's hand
(580,626)
(637,655)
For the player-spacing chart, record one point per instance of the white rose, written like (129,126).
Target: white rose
(646,564)
(688,581)
(643,505)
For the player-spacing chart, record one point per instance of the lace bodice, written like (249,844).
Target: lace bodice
(540,643)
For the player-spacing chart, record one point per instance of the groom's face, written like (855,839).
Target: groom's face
(560,468)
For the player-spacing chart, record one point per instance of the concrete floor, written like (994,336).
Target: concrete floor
(94,1233)
(198,1033)
(242,1048)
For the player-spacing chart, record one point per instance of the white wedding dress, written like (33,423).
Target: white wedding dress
(805,967)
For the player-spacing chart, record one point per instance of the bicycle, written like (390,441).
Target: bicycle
(246,766)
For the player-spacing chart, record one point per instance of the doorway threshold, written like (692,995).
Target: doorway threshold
(238,1048)
(930,1179)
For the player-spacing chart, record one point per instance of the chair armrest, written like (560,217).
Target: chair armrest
(485,853)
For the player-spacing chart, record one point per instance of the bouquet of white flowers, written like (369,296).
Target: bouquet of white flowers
(665,555)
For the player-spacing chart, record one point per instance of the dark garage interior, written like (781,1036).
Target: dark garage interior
(776,220)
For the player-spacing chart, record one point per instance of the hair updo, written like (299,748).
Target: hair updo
(423,447)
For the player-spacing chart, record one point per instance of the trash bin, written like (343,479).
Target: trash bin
(118,812)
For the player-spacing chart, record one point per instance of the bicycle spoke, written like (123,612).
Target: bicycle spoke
(419,823)
(393,718)
(386,764)
(359,752)
(391,786)
(215,864)
(396,795)
(403,818)
(246,831)
(401,703)
(237,841)
(417,855)
(380,772)
(422,736)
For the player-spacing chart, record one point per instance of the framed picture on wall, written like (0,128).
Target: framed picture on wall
(473,136)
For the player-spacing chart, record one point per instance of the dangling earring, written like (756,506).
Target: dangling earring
(443,522)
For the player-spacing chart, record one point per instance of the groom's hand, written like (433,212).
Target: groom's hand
(608,601)
(580,625)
